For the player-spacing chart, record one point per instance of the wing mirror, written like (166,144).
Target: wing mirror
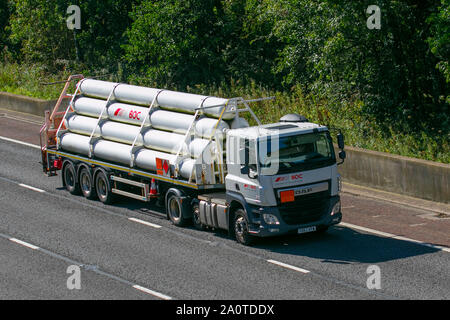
(341,145)
(340,140)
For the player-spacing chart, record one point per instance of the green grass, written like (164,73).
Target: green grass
(360,131)
(27,80)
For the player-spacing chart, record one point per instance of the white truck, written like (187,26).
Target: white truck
(197,155)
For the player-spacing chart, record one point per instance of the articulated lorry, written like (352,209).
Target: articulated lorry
(196,154)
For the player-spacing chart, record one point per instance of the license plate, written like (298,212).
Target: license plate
(306,230)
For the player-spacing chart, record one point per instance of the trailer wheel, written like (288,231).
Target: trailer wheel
(103,187)
(69,178)
(86,183)
(175,209)
(241,228)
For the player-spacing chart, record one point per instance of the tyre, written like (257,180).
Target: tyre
(241,228)
(103,187)
(175,210)
(87,184)
(70,181)
(196,217)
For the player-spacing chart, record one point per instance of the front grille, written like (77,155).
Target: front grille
(306,208)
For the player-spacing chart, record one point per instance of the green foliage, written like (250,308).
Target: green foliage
(4,18)
(102,32)
(27,80)
(388,88)
(330,49)
(40,28)
(439,39)
(175,42)
(181,43)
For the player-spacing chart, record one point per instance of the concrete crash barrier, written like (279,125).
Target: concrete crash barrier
(28,105)
(409,176)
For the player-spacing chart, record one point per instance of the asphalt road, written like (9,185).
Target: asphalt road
(129,251)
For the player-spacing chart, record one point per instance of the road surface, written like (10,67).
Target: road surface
(130,251)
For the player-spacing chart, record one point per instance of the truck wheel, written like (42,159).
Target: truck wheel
(70,180)
(196,217)
(103,187)
(175,210)
(86,184)
(241,228)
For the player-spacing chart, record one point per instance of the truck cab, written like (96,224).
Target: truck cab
(284,177)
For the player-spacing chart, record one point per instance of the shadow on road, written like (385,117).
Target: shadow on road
(339,245)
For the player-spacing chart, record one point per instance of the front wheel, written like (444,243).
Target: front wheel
(175,210)
(241,228)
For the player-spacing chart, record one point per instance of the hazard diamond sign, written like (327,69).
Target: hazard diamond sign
(162,167)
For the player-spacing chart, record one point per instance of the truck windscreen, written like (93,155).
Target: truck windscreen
(296,153)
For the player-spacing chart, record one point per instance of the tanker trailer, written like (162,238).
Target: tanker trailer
(197,155)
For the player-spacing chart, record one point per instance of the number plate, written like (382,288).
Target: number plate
(306,230)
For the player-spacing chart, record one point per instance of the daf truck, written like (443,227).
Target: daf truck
(197,155)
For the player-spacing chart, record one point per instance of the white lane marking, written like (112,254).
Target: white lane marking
(93,269)
(288,266)
(145,223)
(4,115)
(20,142)
(23,243)
(393,236)
(153,293)
(31,188)
(417,224)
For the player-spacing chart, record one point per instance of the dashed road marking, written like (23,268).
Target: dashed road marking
(153,293)
(145,223)
(288,266)
(88,267)
(4,115)
(417,224)
(23,243)
(20,142)
(31,188)
(393,236)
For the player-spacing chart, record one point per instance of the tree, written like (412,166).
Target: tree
(40,28)
(330,49)
(439,39)
(4,18)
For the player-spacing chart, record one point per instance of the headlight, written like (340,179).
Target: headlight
(336,208)
(270,219)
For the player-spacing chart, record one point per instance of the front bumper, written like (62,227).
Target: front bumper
(258,227)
